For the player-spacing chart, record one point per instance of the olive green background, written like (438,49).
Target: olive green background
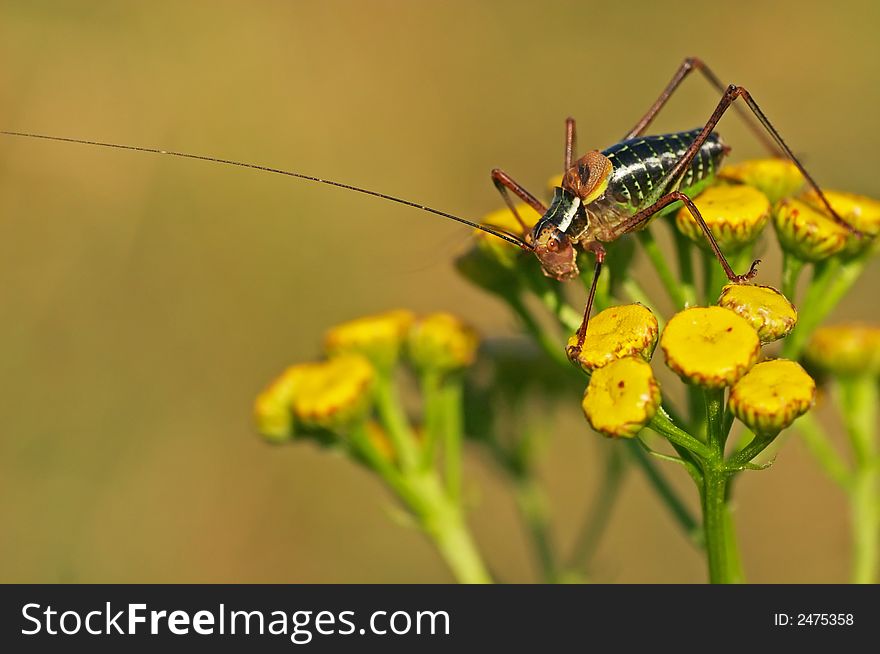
(144,300)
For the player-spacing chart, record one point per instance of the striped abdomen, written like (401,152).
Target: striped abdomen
(641,166)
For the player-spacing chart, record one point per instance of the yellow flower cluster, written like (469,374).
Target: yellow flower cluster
(714,347)
(736,214)
(379,338)
(623,394)
(442,342)
(335,394)
(775,178)
(718,347)
(738,208)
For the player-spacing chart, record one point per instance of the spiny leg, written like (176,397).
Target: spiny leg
(732,93)
(574,350)
(570,143)
(644,215)
(688,65)
(504,183)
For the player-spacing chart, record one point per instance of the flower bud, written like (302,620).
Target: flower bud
(772,395)
(505,253)
(765,308)
(806,232)
(492,262)
(442,343)
(618,332)
(379,338)
(846,350)
(272,408)
(862,212)
(710,346)
(622,397)
(736,214)
(334,394)
(776,178)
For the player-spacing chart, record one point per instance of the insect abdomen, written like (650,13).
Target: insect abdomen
(641,165)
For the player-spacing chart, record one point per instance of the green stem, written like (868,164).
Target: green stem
(452,428)
(696,405)
(666,493)
(860,397)
(832,279)
(367,452)
(598,516)
(791,272)
(714,277)
(553,300)
(865,525)
(721,548)
(754,447)
(664,272)
(546,341)
(444,524)
(532,506)
(396,424)
(433,415)
(440,518)
(823,451)
(666,428)
(683,251)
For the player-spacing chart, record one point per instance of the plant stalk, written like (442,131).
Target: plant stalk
(721,548)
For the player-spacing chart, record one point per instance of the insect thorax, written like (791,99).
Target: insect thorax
(566,212)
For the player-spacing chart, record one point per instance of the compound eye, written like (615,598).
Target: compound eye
(553,244)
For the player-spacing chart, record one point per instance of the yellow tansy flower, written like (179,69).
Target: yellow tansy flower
(335,393)
(847,350)
(621,397)
(491,262)
(862,212)
(618,332)
(776,178)
(505,253)
(272,408)
(379,337)
(806,232)
(441,342)
(710,346)
(771,395)
(736,214)
(766,309)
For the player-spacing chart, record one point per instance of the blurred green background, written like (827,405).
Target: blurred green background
(146,300)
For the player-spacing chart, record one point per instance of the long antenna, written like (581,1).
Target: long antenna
(510,238)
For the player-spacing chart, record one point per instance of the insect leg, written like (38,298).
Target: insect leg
(688,65)
(574,350)
(504,183)
(644,215)
(570,143)
(732,93)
